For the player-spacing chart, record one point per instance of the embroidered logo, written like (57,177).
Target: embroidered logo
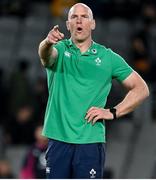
(92,173)
(42,161)
(48,170)
(67,54)
(94,51)
(98,61)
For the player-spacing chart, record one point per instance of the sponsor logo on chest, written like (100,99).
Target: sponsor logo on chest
(67,54)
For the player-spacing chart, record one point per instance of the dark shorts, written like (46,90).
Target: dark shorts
(66,161)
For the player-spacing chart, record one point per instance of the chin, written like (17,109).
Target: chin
(80,39)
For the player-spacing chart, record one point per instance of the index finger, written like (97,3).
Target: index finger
(56,28)
(91,109)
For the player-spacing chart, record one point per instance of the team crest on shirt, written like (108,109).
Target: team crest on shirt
(67,54)
(98,61)
(92,173)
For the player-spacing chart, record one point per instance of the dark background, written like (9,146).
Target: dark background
(126,26)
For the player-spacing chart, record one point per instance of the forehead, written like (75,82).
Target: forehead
(80,9)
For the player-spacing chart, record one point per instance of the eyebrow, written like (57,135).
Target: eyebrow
(80,15)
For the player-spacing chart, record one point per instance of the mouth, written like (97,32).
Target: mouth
(79,29)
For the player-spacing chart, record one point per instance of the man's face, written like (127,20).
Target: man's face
(80,23)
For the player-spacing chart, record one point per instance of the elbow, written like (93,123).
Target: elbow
(39,50)
(146,91)
(44,62)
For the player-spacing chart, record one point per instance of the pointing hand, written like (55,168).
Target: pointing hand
(54,35)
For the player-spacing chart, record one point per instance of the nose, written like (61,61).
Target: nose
(79,20)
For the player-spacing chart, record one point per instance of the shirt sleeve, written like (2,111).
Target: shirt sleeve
(59,46)
(120,69)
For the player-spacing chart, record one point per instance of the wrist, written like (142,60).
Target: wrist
(47,43)
(113,111)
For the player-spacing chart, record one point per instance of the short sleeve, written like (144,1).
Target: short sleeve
(59,46)
(120,69)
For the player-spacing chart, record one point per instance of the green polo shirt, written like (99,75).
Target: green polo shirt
(76,82)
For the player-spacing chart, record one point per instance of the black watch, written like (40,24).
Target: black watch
(113,111)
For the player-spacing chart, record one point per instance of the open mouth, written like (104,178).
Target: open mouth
(79,29)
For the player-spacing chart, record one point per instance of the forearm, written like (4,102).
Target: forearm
(133,98)
(48,54)
(129,103)
(137,92)
(45,53)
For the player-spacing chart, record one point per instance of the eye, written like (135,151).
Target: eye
(85,16)
(73,16)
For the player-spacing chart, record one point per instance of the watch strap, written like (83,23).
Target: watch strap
(113,111)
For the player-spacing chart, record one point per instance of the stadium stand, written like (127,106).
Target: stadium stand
(131,143)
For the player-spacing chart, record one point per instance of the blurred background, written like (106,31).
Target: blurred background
(126,26)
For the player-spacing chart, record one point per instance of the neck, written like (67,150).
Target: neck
(83,45)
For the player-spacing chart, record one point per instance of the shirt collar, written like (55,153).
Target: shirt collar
(91,50)
(70,42)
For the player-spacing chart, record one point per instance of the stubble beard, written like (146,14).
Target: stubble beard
(80,38)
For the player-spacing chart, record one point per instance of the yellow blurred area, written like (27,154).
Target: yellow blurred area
(59,8)
(142,65)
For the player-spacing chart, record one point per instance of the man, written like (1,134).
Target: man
(79,73)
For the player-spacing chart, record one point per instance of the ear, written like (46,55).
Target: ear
(93,25)
(67,25)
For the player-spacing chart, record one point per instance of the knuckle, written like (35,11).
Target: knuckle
(51,32)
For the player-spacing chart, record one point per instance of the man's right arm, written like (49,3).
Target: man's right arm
(46,51)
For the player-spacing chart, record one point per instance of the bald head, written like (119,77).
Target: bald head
(81,5)
(80,23)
